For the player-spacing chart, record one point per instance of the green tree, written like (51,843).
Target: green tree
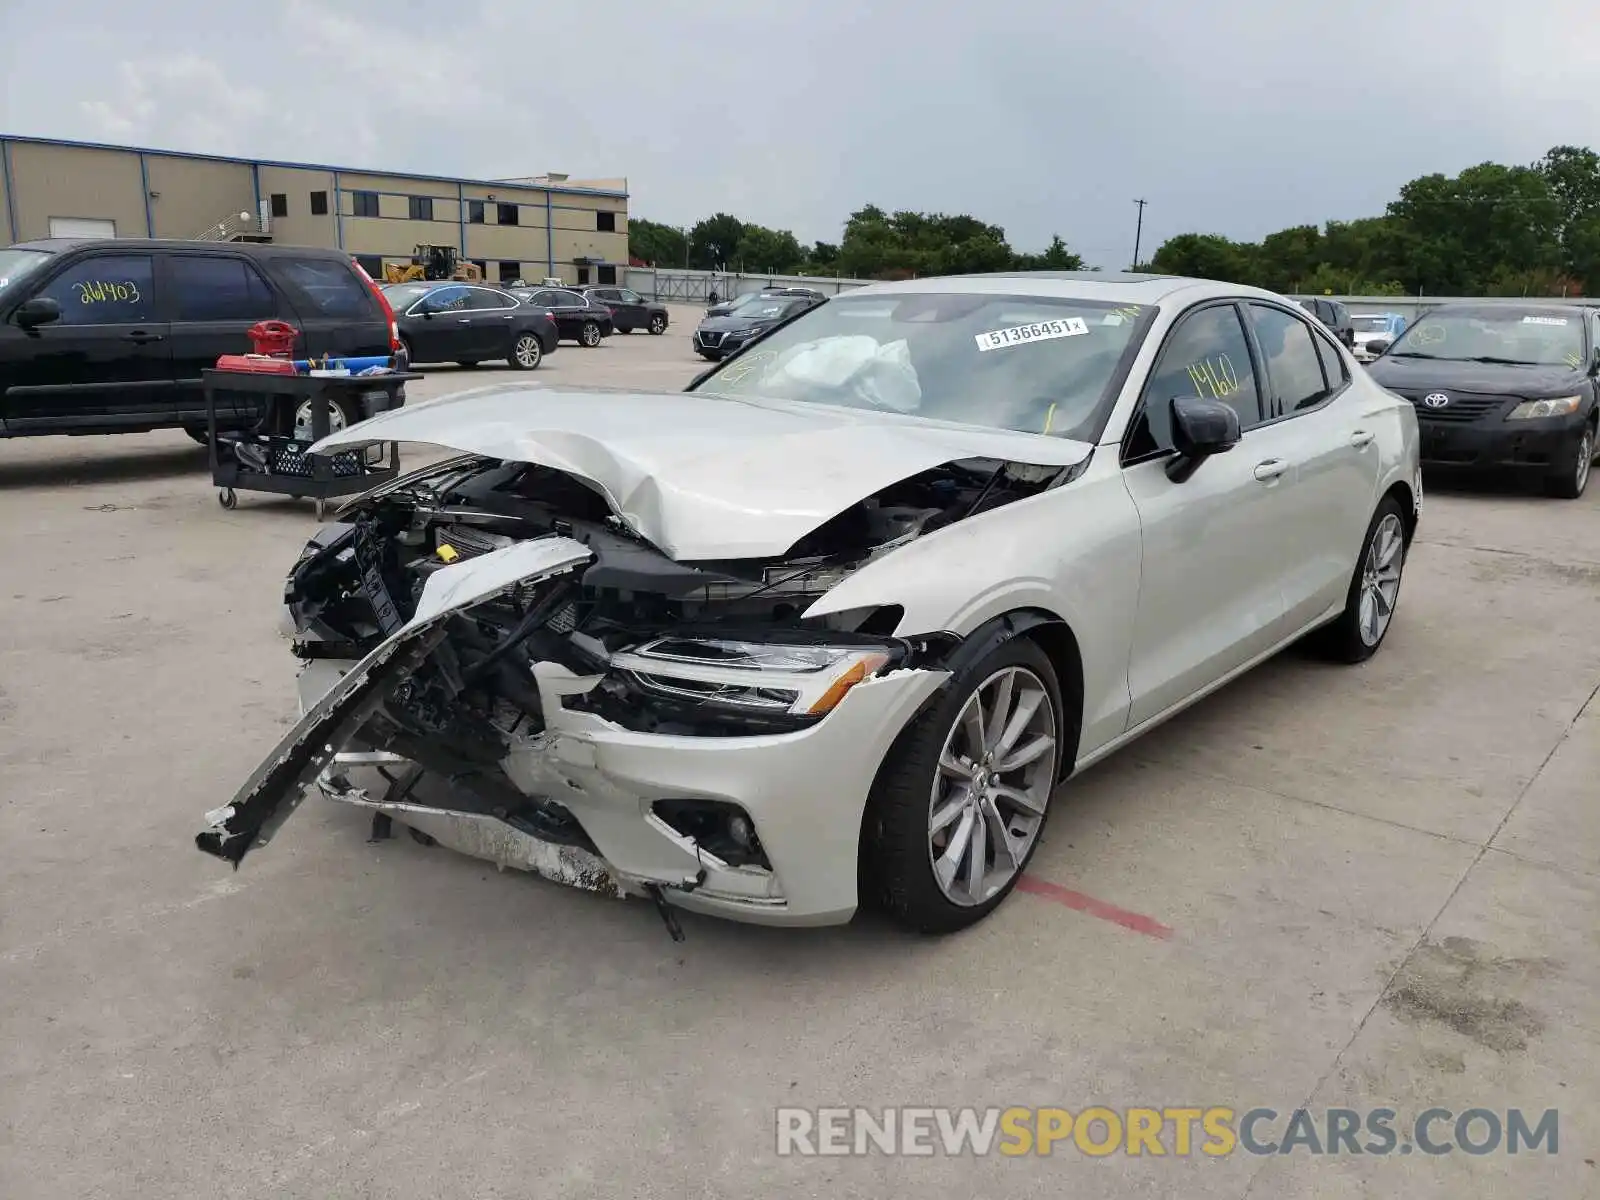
(714,241)
(1056,257)
(767,251)
(1206,256)
(657,244)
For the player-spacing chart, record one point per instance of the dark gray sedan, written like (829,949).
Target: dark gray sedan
(469,323)
(718,337)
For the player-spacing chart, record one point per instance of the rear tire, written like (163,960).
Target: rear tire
(589,335)
(913,793)
(658,325)
(1375,583)
(1571,476)
(526,352)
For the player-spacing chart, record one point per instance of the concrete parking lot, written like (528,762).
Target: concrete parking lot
(1324,887)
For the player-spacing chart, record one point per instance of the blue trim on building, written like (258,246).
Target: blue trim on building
(338,212)
(549,236)
(11,196)
(461,217)
(303,166)
(255,186)
(144,184)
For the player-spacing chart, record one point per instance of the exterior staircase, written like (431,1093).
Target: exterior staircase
(237,227)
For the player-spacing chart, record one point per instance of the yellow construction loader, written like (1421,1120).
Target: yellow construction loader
(432,263)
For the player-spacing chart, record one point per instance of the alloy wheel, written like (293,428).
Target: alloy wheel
(1585,459)
(1380,579)
(589,335)
(996,770)
(527,351)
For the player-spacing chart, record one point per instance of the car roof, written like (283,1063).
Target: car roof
(61,245)
(1115,287)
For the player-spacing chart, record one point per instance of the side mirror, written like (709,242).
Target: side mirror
(1200,428)
(41,310)
(1377,346)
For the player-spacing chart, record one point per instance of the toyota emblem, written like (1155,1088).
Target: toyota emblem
(1436,399)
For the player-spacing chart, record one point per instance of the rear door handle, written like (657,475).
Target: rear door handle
(1361,439)
(139,335)
(1268,471)
(463,320)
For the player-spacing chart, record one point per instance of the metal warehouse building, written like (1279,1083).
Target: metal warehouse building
(528,228)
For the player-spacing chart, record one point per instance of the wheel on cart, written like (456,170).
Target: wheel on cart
(228,498)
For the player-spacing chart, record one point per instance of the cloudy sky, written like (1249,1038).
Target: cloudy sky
(1229,116)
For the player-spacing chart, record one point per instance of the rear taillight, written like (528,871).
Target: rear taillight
(395,344)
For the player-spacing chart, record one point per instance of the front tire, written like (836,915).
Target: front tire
(959,804)
(526,352)
(1374,589)
(589,335)
(1571,475)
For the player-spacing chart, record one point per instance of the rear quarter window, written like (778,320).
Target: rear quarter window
(332,287)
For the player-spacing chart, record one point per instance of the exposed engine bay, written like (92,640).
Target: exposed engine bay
(477,690)
(361,578)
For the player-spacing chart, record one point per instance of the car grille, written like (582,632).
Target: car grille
(1464,407)
(709,339)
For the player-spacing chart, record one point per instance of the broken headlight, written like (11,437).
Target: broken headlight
(785,679)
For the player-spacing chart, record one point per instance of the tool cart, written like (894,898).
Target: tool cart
(270,455)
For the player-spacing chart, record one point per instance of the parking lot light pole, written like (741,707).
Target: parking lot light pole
(1138,230)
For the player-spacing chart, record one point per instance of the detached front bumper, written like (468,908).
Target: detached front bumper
(804,792)
(1496,444)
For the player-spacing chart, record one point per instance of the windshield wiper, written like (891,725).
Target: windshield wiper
(1509,362)
(1411,354)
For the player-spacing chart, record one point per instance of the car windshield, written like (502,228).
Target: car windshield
(1508,333)
(1035,364)
(1369,323)
(16,265)
(405,295)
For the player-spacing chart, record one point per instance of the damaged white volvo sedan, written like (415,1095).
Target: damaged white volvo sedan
(834,623)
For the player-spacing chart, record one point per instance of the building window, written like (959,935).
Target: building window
(365,203)
(605,222)
(421,208)
(280,204)
(475,212)
(506,214)
(319,204)
(510,271)
(372,264)
(583,276)
(607,274)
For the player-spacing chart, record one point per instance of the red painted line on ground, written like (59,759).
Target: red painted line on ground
(1079,902)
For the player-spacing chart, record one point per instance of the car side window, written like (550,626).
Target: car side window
(484,300)
(107,289)
(448,299)
(334,287)
(1290,360)
(1333,368)
(217,288)
(631,297)
(1206,355)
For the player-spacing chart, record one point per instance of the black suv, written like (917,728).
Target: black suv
(629,310)
(111,336)
(1335,316)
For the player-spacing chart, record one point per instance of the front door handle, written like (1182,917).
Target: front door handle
(139,335)
(464,321)
(1268,471)
(1361,439)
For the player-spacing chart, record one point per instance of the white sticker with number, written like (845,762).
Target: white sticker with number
(1039,331)
(1544,320)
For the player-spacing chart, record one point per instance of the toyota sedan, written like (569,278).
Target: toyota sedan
(839,624)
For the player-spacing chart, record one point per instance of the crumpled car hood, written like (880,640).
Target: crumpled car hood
(704,477)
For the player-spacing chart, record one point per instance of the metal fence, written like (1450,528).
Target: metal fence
(695,287)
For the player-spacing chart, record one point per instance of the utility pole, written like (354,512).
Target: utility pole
(1138,231)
